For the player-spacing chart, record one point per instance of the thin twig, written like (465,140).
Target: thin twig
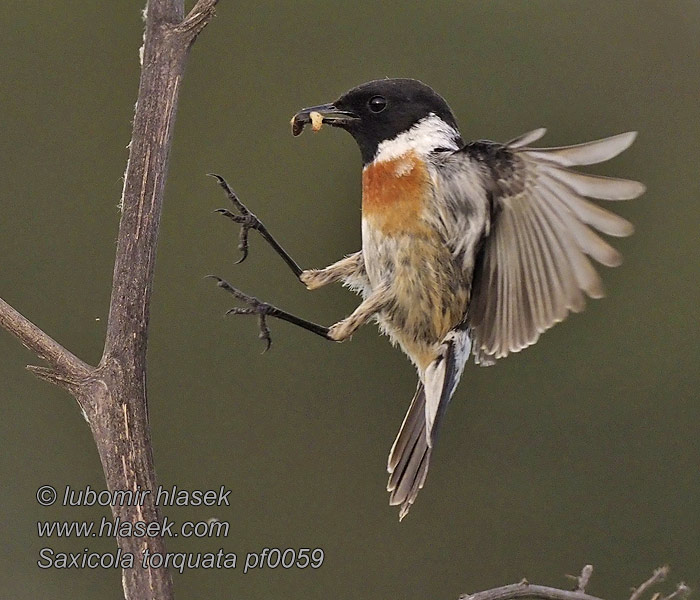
(658,576)
(583,578)
(682,591)
(201,13)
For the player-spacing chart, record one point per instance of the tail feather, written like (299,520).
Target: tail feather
(412,422)
(409,458)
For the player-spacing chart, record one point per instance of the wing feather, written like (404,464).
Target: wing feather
(521,301)
(554,295)
(588,153)
(533,311)
(534,265)
(533,261)
(603,220)
(596,186)
(587,241)
(527,138)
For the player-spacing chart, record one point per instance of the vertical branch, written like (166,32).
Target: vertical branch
(118,412)
(142,198)
(112,395)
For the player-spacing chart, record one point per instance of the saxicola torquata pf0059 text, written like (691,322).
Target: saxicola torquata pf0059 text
(467,248)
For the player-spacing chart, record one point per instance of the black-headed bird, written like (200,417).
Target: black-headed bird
(467,248)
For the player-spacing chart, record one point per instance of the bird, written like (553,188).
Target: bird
(469,248)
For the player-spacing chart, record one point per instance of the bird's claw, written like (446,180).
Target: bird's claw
(255,307)
(246,219)
(264,334)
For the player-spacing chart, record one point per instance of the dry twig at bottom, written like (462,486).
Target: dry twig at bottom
(526,590)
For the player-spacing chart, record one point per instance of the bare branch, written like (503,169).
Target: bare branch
(658,576)
(165,11)
(682,592)
(112,395)
(525,590)
(45,347)
(198,17)
(583,578)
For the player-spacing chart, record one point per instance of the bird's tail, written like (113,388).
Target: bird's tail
(409,458)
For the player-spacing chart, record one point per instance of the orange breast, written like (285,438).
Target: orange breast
(394,193)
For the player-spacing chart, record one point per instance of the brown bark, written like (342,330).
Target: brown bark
(112,395)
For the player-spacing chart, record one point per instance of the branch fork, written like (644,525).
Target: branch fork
(112,395)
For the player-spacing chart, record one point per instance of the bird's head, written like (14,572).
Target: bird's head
(387,116)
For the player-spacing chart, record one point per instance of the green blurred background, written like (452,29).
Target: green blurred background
(584,448)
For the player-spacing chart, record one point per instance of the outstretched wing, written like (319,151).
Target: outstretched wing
(533,267)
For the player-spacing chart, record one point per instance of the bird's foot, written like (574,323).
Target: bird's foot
(255,307)
(263,310)
(315,278)
(246,219)
(340,331)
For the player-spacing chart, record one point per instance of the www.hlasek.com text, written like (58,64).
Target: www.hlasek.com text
(140,529)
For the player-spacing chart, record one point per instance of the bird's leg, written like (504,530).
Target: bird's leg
(247,220)
(263,310)
(339,332)
(348,269)
(378,300)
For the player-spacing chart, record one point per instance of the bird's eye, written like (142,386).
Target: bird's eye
(377,104)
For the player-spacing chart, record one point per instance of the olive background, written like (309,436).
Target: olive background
(582,449)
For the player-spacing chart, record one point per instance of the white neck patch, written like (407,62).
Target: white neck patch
(429,133)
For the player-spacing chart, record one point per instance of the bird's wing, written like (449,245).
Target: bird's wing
(533,268)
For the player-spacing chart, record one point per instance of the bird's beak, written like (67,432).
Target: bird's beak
(317,115)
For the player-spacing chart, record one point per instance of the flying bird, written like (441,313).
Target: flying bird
(468,248)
